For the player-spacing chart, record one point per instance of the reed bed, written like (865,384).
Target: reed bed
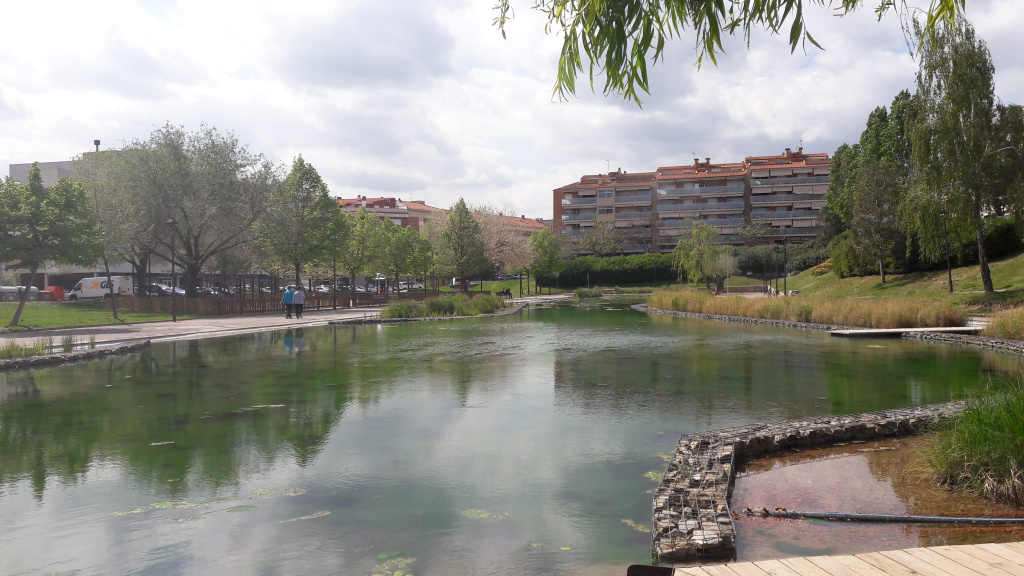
(875,313)
(981,450)
(585,293)
(40,347)
(448,305)
(1007,324)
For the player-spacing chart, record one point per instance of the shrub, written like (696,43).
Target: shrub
(404,309)
(585,293)
(823,268)
(609,270)
(1007,324)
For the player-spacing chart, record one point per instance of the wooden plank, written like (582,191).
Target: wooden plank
(776,568)
(718,570)
(887,565)
(916,564)
(1015,546)
(747,569)
(979,554)
(1004,552)
(859,566)
(691,571)
(833,566)
(938,560)
(805,567)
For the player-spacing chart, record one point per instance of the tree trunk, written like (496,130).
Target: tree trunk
(110,288)
(298,274)
(23,297)
(986,274)
(881,267)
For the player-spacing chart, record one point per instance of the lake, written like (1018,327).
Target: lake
(518,445)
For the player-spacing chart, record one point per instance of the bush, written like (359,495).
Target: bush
(404,309)
(847,260)
(823,268)
(611,270)
(981,450)
(447,305)
(585,293)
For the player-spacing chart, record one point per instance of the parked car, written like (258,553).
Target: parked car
(405,286)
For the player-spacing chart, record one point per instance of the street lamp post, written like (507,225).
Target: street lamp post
(172,225)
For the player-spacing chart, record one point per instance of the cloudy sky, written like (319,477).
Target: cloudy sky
(424,100)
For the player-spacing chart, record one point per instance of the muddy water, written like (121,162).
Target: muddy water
(888,477)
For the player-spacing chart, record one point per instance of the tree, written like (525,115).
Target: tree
(403,250)
(549,253)
(874,226)
(363,244)
(461,249)
(39,225)
(601,240)
(505,245)
(955,155)
(211,186)
(617,37)
(297,223)
(699,259)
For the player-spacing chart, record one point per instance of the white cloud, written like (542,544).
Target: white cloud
(426,99)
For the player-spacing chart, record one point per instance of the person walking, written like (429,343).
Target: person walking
(299,301)
(288,300)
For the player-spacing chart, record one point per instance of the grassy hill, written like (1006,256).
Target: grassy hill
(1007,276)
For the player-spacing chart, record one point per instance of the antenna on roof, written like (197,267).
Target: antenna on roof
(609,164)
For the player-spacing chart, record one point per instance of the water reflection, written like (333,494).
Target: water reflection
(351,446)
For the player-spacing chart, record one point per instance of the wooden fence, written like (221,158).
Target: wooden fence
(208,306)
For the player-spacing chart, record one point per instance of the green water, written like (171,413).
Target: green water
(515,445)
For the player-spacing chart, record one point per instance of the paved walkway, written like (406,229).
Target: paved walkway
(966,560)
(210,327)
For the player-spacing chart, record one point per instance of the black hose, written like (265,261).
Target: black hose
(855,517)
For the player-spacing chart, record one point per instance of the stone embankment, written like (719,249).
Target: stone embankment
(742,319)
(74,356)
(692,517)
(376,319)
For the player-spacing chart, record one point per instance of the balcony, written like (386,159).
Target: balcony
(786,198)
(719,222)
(790,181)
(780,215)
(713,207)
(579,201)
(644,199)
(797,231)
(590,217)
(632,216)
(702,190)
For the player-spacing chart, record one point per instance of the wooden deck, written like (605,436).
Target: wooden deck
(898,332)
(966,560)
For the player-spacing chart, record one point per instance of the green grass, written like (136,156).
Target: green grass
(1007,275)
(981,450)
(69,314)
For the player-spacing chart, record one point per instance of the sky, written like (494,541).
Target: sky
(424,100)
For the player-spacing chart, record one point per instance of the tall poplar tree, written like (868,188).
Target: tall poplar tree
(461,248)
(956,158)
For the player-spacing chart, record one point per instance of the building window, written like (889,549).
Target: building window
(605,193)
(605,210)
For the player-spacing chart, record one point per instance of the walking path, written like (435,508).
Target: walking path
(115,334)
(965,560)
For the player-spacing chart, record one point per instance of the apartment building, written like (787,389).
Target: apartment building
(779,195)
(624,201)
(407,214)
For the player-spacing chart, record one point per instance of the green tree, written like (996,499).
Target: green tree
(39,225)
(838,210)
(875,227)
(297,223)
(125,210)
(461,247)
(603,239)
(549,253)
(363,245)
(617,38)
(700,259)
(955,155)
(402,250)
(213,188)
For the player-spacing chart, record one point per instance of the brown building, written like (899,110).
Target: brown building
(783,193)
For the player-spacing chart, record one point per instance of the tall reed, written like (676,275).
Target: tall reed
(873,313)
(981,450)
(1007,324)
(448,305)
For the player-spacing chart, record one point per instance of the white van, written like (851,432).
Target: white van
(97,288)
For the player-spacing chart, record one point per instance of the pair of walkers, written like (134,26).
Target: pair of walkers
(294,299)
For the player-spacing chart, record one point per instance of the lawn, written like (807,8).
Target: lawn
(68,314)
(1007,276)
